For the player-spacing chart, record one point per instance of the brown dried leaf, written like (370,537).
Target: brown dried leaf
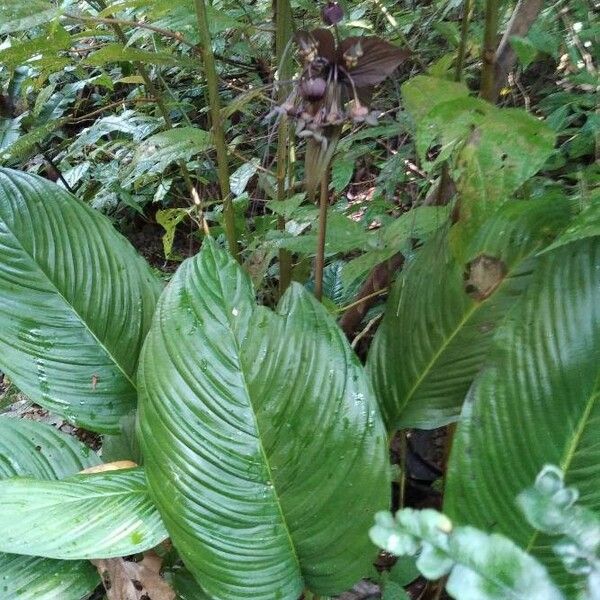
(112,466)
(484,274)
(125,580)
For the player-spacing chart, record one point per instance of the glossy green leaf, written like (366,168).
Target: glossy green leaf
(100,515)
(29,448)
(479,566)
(537,403)
(32,449)
(17,15)
(75,303)
(442,313)
(33,578)
(259,429)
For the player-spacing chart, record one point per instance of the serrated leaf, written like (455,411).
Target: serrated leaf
(442,313)
(162,149)
(18,15)
(29,140)
(543,380)
(75,303)
(30,448)
(101,515)
(261,422)
(118,53)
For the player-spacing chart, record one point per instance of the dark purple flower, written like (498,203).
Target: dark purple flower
(332,13)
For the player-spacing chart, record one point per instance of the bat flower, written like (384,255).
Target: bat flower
(335,87)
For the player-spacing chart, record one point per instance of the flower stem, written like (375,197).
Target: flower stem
(489,50)
(283,33)
(320,258)
(212,81)
(464,34)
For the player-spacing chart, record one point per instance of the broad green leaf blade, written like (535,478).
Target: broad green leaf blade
(18,15)
(75,303)
(537,403)
(32,449)
(33,578)
(479,566)
(259,430)
(102,515)
(29,448)
(442,313)
(422,93)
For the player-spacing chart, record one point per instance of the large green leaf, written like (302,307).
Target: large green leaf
(28,448)
(32,449)
(442,313)
(100,515)
(537,403)
(263,445)
(33,578)
(75,303)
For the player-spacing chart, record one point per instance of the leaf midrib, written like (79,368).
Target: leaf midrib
(473,310)
(261,448)
(70,306)
(572,448)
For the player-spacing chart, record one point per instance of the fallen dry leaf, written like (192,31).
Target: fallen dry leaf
(125,580)
(112,466)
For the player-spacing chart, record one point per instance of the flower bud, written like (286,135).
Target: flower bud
(332,13)
(313,88)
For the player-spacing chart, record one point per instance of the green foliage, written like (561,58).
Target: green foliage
(543,376)
(29,449)
(52,518)
(65,273)
(267,445)
(552,508)
(263,443)
(479,566)
(421,379)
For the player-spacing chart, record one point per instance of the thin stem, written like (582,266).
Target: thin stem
(487,90)
(217,127)
(283,18)
(321,236)
(464,33)
(403,462)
